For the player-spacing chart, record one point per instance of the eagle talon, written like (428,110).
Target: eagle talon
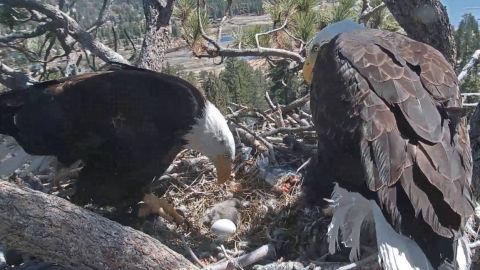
(159,206)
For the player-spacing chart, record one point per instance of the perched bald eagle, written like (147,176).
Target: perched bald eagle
(392,145)
(126,125)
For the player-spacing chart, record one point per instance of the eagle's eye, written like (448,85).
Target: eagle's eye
(315,48)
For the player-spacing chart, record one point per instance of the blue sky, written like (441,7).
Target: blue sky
(456,8)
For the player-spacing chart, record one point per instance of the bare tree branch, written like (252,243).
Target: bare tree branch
(368,11)
(101,15)
(14,79)
(132,44)
(296,103)
(220,51)
(287,130)
(468,67)
(257,35)
(115,39)
(262,253)
(261,52)
(62,20)
(271,152)
(40,30)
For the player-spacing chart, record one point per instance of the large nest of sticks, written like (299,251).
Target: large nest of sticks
(274,147)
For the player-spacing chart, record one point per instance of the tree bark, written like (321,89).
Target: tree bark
(156,41)
(53,229)
(426,21)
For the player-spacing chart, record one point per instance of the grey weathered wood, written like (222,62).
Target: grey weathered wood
(55,230)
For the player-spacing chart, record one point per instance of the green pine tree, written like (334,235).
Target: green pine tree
(215,90)
(467,38)
(286,85)
(244,84)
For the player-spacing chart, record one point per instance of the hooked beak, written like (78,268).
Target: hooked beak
(308,70)
(224,169)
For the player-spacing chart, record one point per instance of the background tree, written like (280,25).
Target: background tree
(215,89)
(467,38)
(244,84)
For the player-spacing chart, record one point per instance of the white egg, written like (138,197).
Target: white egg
(223,228)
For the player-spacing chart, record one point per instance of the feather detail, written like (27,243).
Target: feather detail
(464,254)
(350,211)
(396,251)
(390,106)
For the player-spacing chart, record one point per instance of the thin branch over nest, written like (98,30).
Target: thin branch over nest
(220,51)
(62,20)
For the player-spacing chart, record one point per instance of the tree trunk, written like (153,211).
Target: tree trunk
(156,41)
(55,230)
(426,21)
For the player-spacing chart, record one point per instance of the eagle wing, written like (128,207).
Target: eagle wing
(392,100)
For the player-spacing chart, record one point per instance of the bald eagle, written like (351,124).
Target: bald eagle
(392,146)
(126,124)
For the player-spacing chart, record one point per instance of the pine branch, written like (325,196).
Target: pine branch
(62,20)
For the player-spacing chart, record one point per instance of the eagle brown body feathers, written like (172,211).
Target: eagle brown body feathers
(388,114)
(126,125)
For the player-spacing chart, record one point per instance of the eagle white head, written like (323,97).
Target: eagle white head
(212,137)
(323,37)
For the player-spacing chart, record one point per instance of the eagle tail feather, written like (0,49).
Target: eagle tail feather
(350,212)
(396,252)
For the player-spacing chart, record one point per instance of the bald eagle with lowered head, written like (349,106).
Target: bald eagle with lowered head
(126,125)
(392,146)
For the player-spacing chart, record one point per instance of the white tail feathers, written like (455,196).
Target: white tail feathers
(464,254)
(350,210)
(396,252)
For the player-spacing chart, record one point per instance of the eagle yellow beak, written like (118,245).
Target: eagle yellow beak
(224,169)
(308,69)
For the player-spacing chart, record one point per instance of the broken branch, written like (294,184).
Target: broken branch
(262,253)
